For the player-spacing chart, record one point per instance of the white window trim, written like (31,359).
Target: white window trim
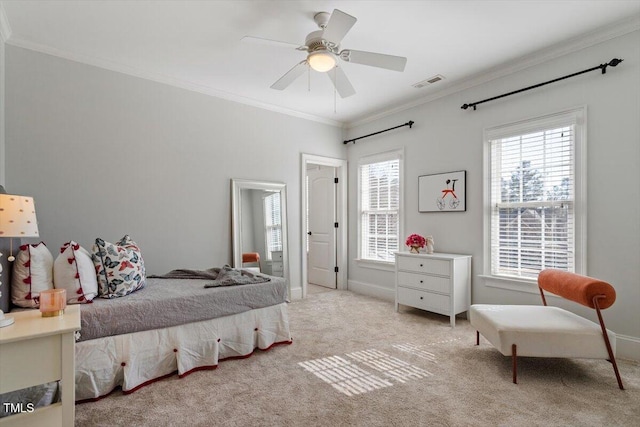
(523,126)
(375,158)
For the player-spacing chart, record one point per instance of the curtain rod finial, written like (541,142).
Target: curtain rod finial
(615,61)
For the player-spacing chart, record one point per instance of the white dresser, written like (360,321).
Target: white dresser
(440,283)
(275,266)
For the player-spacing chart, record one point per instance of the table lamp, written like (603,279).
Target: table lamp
(17,219)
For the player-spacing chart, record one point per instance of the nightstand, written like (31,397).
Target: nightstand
(36,350)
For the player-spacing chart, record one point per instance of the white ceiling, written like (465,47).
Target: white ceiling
(196,44)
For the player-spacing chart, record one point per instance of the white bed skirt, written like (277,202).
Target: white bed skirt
(134,360)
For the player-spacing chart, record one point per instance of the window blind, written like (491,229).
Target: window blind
(273,223)
(380,205)
(533,201)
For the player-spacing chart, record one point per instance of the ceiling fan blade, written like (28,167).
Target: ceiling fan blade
(290,76)
(341,82)
(338,26)
(380,60)
(260,40)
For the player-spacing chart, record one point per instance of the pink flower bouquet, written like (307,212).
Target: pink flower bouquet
(416,241)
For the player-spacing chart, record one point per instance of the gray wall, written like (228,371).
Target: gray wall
(105,154)
(447,138)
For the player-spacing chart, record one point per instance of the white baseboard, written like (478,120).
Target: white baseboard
(627,347)
(372,290)
(296,293)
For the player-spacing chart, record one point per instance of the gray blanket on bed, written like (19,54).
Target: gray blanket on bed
(225,276)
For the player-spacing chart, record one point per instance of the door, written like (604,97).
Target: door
(321,222)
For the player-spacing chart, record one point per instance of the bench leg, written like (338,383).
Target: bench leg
(477,337)
(514,358)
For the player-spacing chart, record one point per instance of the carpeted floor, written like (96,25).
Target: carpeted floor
(356,362)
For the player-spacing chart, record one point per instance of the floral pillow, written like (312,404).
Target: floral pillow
(119,267)
(74,271)
(32,274)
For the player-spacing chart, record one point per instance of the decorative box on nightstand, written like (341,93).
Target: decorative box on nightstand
(439,282)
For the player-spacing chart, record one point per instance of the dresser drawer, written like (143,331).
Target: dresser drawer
(436,303)
(276,266)
(422,265)
(424,282)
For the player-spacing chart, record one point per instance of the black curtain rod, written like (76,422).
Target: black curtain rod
(603,67)
(409,123)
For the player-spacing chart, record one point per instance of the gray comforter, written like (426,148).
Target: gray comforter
(170,302)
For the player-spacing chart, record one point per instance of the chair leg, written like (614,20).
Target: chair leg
(605,336)
(514,358)
(615,368)
(477,337)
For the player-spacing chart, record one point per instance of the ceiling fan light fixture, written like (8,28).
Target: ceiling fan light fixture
(322,61)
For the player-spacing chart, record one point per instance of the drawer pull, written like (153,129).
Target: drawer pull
(421,265)
(421,297)
(421,281)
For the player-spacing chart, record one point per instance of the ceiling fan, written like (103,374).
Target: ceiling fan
(323,49)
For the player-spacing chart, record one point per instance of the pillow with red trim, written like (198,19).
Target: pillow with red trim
(32,274)
(74,271)
(119,267)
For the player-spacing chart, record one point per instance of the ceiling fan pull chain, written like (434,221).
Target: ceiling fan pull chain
(308,78)
(334,91)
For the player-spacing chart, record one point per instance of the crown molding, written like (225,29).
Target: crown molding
(575,44)
(160,78)
(5,28)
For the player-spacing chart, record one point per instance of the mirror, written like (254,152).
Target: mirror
(259,226)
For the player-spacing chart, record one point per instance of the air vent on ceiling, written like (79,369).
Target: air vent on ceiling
(429,81)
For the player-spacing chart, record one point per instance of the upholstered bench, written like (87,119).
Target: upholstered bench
(544,331)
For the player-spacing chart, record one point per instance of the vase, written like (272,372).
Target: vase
(429,244)
(415,249)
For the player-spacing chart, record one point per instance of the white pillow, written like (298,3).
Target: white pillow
(74,271)
(32,274)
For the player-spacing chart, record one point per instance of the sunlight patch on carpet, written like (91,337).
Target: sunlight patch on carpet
(416,350)
(419,349)
(349,378)
(344,376)
(390,366)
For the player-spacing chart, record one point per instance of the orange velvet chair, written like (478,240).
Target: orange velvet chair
(251,257)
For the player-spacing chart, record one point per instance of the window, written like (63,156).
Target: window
(535,206)
(272,223)
(379,203)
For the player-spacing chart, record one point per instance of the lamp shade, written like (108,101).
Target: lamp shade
(17,216)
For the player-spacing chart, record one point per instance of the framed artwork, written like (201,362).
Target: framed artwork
(442,192)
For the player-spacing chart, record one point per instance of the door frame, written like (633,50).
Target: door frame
(341,213)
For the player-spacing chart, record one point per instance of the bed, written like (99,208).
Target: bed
(174,325)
